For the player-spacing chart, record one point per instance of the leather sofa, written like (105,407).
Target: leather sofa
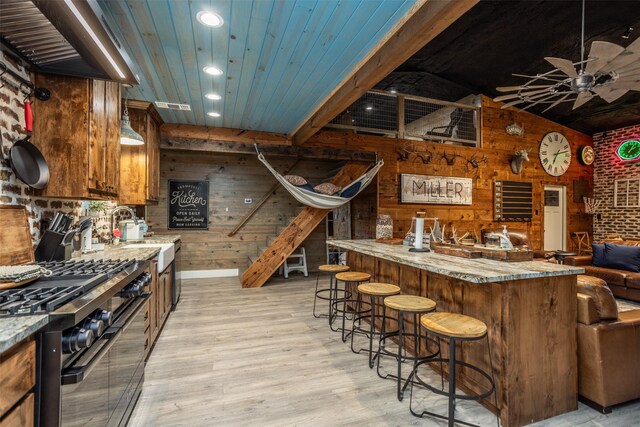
(519,239)
(623,284)
(608,347)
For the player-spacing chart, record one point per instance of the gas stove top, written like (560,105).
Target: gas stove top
(67,281)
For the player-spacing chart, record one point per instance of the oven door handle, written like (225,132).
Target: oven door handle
(131,312)
(77,374)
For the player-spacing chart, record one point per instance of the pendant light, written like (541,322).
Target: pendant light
(128,136)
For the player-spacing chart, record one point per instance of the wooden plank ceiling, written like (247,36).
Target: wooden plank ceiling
(280,59)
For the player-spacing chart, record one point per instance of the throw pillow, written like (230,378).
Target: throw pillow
(351,190)
(598,255)
(295,180)
(326,188)
(622,257)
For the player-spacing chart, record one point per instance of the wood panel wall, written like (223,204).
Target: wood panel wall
(498,147)
(232,178)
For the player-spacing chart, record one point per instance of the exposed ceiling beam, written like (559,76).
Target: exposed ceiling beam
(228,147)
(177,132)
(425,20)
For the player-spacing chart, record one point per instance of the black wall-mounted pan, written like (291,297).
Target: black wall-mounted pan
(26,161)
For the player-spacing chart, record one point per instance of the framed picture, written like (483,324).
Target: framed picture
(188,205)
(439,190)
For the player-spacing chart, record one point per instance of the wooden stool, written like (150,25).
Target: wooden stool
(350,279)
(454,327)
(331,269)
(411,305)
(374,291)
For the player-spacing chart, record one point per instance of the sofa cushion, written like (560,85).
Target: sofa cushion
(622,257)
(633,280)
(295,180)
(598,255)
(327,188)
(611,276)
(598,290)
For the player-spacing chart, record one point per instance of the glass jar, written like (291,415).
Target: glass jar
(384,227)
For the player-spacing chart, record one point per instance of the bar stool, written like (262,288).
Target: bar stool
(374,291)
(331,269)
(410,305)
(455,327)
(350,279)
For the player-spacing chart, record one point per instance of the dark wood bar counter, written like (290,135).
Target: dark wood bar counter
(530,311)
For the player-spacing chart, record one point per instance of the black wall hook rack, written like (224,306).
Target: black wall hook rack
(19,83)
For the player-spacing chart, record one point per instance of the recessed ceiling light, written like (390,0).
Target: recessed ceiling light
(213,96)
(213,114)
(210,19)
(393,91)
(369,108)
(214,71)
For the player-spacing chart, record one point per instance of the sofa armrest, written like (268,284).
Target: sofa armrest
(578,260)
(587,312)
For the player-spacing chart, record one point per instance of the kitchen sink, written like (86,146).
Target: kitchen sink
(165,256)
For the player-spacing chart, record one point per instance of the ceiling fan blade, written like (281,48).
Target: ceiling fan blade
(550,77)
(546,98)
(556,102)
(609,93)
(629,55)
(520,95)
(563,65)
(583,98)
(630,83)
(510,88)
(600,54)
(528,99)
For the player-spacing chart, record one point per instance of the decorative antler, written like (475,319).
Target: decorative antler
(426,157)
(475,162)
(451,159)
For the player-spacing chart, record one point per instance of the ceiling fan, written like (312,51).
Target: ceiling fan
(609,72)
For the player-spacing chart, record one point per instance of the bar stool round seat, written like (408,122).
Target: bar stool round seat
(411,305)
(351,280)
(455,327)
(353,276)
(374,291)
(327,294)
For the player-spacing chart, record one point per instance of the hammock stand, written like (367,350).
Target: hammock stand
(317,200)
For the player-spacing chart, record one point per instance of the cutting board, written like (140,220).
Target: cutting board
(16,247)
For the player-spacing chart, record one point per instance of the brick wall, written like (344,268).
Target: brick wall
(13,191)
(607,168)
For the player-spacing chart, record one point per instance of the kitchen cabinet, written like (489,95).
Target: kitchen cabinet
(140,164)
(164,305)
(17,379)
(151,317)
(78,132)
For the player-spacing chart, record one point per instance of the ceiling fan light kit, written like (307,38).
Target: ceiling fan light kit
(609,72)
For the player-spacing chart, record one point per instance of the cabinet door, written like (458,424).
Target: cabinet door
(168,289)
(97,135)
(133,164)
(161,296)
(153,159)
(112,137)
(60,131)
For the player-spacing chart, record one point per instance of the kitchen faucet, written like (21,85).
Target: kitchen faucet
(116,210)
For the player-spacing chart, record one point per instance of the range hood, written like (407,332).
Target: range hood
(69,37)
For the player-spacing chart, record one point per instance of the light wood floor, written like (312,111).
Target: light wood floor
(235,357)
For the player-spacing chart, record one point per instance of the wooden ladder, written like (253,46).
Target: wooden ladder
(291,237)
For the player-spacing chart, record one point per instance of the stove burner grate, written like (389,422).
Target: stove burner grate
(36,301)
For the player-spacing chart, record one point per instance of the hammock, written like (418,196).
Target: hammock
(323,201)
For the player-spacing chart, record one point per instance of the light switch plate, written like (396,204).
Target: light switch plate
(248,201)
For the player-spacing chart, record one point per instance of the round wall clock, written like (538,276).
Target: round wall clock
(555,153)
(586,155)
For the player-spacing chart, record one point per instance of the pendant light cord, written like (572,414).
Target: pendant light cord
(582,41)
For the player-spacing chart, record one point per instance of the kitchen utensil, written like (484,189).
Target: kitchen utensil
(26,161)
(55,222)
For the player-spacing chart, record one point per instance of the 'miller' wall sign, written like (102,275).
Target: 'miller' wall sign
(629,150)
(440,190)
(188,205)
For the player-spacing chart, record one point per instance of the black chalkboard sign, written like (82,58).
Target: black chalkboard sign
(188,205)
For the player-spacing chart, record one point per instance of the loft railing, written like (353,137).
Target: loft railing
(412,117)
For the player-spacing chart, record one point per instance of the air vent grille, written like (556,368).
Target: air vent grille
(173,106)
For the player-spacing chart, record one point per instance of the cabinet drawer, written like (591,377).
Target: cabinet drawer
(21,415)
(17,373)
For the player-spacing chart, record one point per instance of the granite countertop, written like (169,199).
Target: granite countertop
(120,252)
(15,329)
(479,270)
(162,238)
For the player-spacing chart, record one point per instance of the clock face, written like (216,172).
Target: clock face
(586,155)
(555,153)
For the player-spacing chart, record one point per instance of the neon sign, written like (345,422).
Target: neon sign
(629,150)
